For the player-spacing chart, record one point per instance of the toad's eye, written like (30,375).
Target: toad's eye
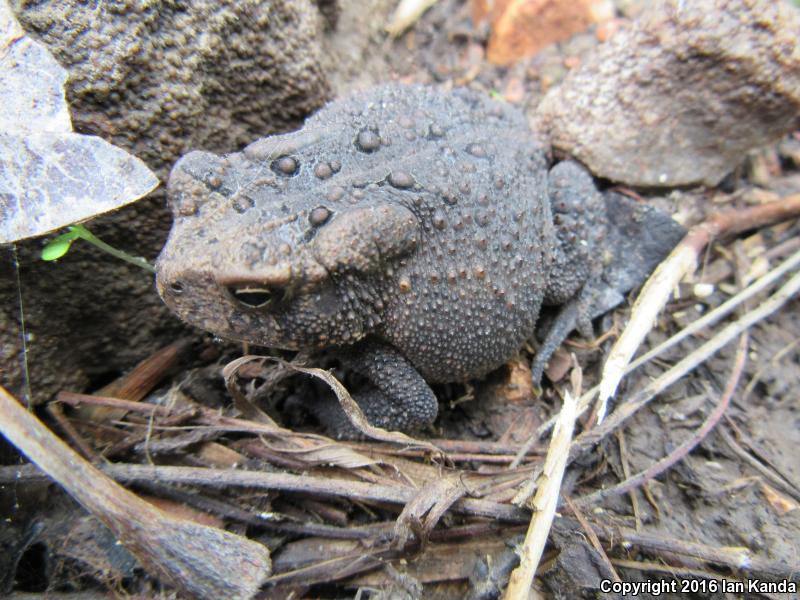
(254,297)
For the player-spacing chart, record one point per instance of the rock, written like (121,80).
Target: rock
(157,79)
(682,96)
(522,28)
(161,79)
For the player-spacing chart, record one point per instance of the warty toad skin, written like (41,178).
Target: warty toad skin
(416,233)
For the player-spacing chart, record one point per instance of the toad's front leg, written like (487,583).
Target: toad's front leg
(398,398)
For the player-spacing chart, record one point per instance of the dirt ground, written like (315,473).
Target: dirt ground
(728,511)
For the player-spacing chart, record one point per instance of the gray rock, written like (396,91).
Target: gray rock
(162,78)
(682,96)
(156,79)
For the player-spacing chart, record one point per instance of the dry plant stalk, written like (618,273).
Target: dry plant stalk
(590,437)
(682,260)
(544,502)
(138,382)
(406,14)
(707,320)
(687,445)
(202,561)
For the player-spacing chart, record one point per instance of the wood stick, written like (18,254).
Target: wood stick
(202,561)
(286,482)
(137,383)
(544,503)
(682,260)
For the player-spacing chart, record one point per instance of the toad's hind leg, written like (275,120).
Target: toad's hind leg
(606,245)
(579,219)
(398,399)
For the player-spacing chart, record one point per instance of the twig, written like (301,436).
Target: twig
(81,445)
(672,570)
(590,533)
(641,398)
(321,486)
(685,572)
(271,520)
(724,269)
(467,447)
(626,471)
(202,561)
(710,318)
(774,360)
(137,383)
(133,439)
(687,446)
(462,450)
(682,260)
(335,568)
(74,399)
(544,503)
(736,558)
(775,478)
(758,453)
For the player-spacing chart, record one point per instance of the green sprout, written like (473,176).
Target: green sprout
(496,95)
(58,247)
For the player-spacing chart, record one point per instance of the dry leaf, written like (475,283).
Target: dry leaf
(49,180)
(337,455)
(49,176)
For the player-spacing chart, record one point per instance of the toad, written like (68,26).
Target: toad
(417,233)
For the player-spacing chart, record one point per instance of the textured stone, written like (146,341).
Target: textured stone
(161,78)
(680,97)
(157,79)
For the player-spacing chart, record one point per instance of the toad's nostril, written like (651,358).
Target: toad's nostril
(254,297)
